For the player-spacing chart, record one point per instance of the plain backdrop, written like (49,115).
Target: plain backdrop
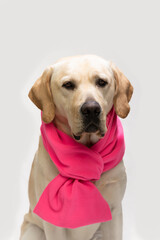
(34,34)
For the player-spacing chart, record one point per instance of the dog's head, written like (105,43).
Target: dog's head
(78,92)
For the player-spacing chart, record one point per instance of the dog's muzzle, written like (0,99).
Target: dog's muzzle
(90,111)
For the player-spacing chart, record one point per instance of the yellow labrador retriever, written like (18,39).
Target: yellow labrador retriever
(61,93)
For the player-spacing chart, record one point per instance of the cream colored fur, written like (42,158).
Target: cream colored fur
(65,113)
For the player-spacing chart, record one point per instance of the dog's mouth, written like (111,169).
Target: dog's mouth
(90,128)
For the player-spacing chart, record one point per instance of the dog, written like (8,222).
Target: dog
(66,92)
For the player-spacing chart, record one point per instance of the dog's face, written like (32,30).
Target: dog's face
(83,89)
(79,92)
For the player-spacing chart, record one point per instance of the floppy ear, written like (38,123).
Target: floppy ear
(40,94)
(123,92)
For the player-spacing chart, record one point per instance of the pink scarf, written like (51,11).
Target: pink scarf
(71,200)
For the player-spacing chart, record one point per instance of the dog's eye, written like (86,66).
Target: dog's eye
(69,85)
(101,83)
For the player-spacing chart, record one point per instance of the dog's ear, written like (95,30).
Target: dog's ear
(123,92)
(41,95)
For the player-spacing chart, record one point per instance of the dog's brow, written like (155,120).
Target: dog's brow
(65,78)
(68,78)
(101,75)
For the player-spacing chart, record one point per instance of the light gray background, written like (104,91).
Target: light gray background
(33,34)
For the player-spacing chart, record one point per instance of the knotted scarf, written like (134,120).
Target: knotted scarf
(71,199)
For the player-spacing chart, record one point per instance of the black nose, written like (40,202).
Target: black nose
(91,109)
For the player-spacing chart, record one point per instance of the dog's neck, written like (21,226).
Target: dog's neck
(87,139)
